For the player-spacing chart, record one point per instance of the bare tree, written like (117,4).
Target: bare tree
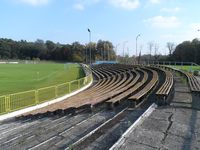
(171,47)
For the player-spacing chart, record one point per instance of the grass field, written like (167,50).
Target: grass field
(22,77)
(187,68)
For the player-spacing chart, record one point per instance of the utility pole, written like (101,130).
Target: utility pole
(136,45)
(123,49)
(90,44)
(116,51)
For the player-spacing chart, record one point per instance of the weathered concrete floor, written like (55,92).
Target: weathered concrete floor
(174,127)
(198,78)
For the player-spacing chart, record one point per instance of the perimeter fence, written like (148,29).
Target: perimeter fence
(17,101)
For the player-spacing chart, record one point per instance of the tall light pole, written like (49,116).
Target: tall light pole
(101,54)
(195,55)
(116,51)
(128,55)
(108,49)
(90,43)
(86,55)
(136,42)
(104,47)
(124,43)
(123,48)
(136,45)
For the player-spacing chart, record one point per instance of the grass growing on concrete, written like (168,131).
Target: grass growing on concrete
(187,68)
(22,77)
(182,77)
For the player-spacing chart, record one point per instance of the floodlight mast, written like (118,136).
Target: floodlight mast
(136,42)
(124,43)
(89,31)
(116,51)
(136,46)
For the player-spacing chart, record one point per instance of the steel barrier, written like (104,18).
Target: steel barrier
(16,101)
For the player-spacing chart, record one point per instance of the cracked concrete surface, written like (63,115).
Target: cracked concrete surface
(198,78)
(171,127)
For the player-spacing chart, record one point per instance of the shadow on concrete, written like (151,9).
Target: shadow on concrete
(194,107)
(188,143)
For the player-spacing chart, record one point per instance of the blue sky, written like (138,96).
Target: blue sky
(66,21)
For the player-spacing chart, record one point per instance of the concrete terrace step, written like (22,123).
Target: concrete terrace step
(71,135)
(60,132)
(39,124)
(105,137)
(82,129)
(171,127)
(38,129)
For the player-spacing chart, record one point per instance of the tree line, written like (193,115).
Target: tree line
(48,50)
(187,51)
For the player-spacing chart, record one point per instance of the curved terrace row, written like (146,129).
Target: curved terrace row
(113,84)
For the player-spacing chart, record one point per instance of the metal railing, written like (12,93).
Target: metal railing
(17,101)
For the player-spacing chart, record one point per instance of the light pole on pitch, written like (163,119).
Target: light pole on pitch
(90,43)
(116,51)
(136,45)
(123,49)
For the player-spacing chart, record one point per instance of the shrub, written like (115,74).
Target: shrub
(196,73)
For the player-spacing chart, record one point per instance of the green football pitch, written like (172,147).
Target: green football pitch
(23,77)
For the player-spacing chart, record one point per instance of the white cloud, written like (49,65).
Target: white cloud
(194,26)
(188,34)
(170,10)
(34,2)
(79,6)
(164,22)
(125,4)
(192,31)
(154,1)
(168,36)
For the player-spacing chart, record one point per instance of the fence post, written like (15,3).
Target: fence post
(69,87)
(79,84)
(56,91)
(8,104)
(36,97)
(84,81)
(90,78)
